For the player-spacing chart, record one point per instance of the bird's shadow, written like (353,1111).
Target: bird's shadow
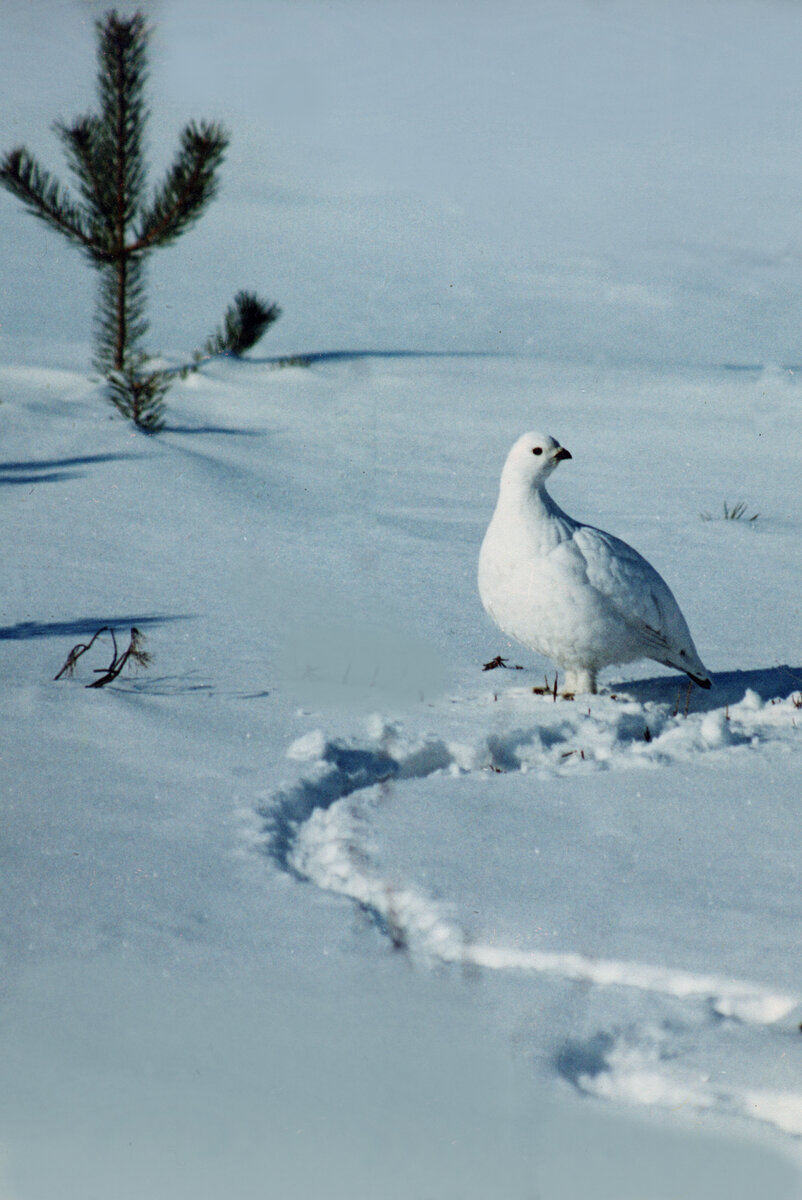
(729,687)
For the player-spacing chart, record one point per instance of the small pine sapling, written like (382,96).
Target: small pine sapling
(114,225)
(117,226)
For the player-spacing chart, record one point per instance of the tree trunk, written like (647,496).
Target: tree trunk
(121,264)
(121,339)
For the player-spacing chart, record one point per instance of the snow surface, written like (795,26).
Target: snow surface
(314,906)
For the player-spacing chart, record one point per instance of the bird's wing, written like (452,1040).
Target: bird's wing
(638,593)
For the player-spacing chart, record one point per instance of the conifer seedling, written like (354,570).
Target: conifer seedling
(116,224)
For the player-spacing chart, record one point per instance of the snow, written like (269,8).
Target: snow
(315,905)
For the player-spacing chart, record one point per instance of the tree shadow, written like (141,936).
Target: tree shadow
(44,477)
(52,470)
(729,687)
(168,428)
(322,356)
(84,626)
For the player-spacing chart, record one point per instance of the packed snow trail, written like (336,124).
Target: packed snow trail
(327,828)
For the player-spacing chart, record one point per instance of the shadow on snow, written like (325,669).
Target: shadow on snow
(223,429)
(323,356)
(349,770)
(344,769)
(82,627)
(729,687)
(52,470)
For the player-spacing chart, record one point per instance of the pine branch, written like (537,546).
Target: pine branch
(44,196)
(83,144)
(122,74)
(244,323)
(189,186)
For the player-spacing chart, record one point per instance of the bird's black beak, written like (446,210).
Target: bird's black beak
(561,454)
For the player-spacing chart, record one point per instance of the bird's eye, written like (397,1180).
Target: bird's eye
(537,449)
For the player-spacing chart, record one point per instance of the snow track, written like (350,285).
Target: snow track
(652,1064)
(351,801)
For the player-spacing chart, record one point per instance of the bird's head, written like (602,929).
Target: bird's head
(531,460)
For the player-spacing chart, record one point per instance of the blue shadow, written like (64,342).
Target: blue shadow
(729,687)
(322,356)
(52,470)
(83,627)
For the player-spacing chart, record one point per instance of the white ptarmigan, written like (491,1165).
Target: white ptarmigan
(575,594)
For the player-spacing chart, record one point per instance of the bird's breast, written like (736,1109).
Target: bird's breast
(522,569)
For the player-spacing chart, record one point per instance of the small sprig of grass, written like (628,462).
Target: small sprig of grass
(498,661)
(550,689)
(133,653)
(678,703)
(735,512)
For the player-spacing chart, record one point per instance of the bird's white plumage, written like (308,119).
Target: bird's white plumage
(577,595)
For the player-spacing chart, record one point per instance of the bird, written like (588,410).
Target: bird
(573,593)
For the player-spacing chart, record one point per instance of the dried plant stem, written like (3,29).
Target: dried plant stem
(133,652)
(69,667)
